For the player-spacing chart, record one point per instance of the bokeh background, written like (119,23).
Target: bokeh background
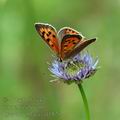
(25,90)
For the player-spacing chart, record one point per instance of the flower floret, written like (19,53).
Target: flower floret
(75,69)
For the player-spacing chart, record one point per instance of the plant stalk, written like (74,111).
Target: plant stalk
(85,101)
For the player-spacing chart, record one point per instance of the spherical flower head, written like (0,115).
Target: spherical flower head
(76,69)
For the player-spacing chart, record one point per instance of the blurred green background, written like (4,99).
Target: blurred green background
(25,90)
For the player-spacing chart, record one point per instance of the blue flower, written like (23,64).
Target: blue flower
(75,69)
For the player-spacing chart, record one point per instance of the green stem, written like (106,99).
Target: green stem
(85,101)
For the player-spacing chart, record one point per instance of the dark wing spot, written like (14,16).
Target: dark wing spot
(74,43)
(65,45)
(49,32)
(52,45)
(67,40)
(54,36)
(43,33)
(48,39)
(47,35)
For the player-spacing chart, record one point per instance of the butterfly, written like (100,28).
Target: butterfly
(66,43)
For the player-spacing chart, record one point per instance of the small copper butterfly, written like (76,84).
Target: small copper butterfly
(66,43)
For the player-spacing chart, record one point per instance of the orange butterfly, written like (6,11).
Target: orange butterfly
(66,43)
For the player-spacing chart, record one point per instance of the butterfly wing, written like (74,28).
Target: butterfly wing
(69,39)
(65,31)
(69,42)
(83,43)
(49,35)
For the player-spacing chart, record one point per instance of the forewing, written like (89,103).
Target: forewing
(65,31)
(69,42)
(83,43)
(49,35)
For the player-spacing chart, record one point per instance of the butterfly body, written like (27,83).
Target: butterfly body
(66,43)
